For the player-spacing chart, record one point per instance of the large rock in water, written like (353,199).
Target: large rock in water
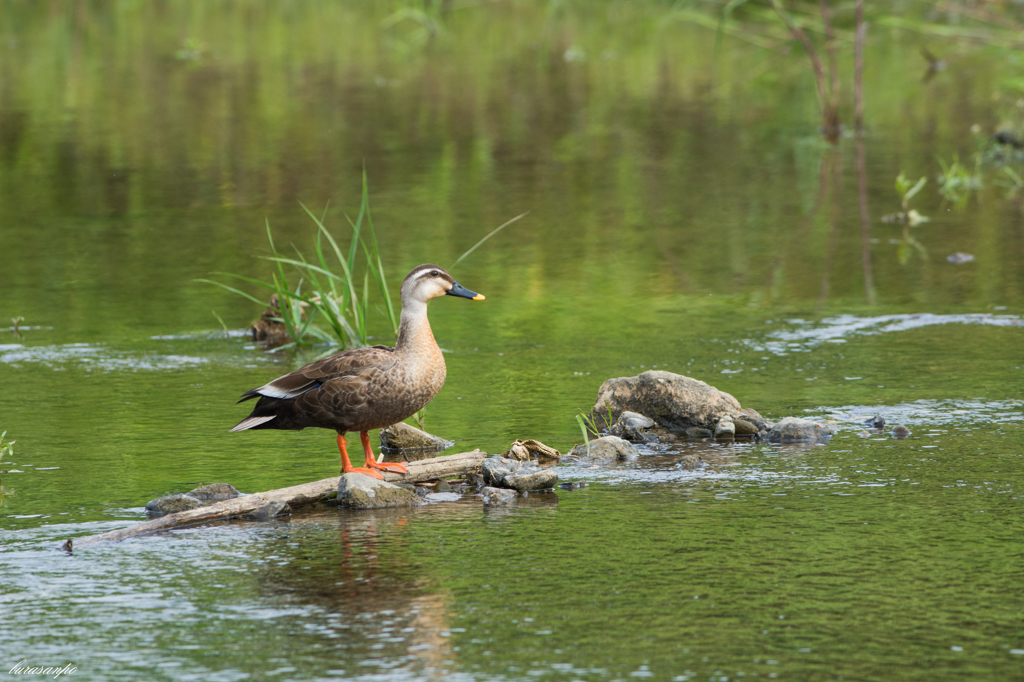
(675,402)
(796,430)
(359,491)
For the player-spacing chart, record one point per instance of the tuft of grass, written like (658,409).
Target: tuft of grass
(581,420)
(328,287)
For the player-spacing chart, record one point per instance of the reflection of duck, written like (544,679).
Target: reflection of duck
(364,388)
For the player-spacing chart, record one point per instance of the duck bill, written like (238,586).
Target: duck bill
(462,292)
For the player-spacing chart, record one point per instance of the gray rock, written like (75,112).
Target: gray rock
(215,492)
(442,487)
(525,481)
(900,431)
(631,426)
(500,472)
(725,428)
(675,402)
(495,496)
(749,426)
(699,432)
(573,485)
(794,430)
(606,448)
(402,437)
(876,422)
(359,491)
(171,504)
(270,510)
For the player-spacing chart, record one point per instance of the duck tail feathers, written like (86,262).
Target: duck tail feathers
(251,422)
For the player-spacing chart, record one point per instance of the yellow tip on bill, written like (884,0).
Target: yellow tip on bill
(479,297)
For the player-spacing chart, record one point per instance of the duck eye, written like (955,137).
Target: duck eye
(435,273)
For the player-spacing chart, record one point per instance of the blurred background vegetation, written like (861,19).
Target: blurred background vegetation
(670,148)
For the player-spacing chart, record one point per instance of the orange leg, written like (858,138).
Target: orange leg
(371,461)
(346,466)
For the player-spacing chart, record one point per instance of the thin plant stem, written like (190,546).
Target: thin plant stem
(858,67)
(496,231)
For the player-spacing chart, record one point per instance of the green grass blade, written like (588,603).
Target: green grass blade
(496,231)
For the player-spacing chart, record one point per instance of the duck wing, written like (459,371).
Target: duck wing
(356,363)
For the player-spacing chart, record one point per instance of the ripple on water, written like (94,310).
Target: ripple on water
(806,334)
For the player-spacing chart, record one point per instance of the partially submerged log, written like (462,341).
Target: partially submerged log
(294,496)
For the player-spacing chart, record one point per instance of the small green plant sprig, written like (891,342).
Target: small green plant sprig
(957,181)
(586,420)
(6,446)
(908,217)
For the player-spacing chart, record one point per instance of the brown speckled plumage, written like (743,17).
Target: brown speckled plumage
(364,388)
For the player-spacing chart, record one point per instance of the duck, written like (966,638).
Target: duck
(365,388)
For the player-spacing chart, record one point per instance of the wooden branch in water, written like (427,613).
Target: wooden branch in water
(295,496)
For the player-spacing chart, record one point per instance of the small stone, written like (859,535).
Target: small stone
(215,492)
(865,434)
(692,463)
(698,432)
(495,496)
(402,437)
(959,258)
(270,510)
(442,487)
(900,431)
(606,448)
(794,430)
(172,504)
(522,476)
(540,479)
(745,427)
(725,428)
(572,485)
(876,422)
(359,491)
(631,426)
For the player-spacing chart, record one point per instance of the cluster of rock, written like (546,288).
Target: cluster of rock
(662,406)
(501,480)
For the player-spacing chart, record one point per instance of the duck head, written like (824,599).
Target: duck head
(430,281)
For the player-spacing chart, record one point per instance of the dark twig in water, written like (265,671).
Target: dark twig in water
(858,67)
